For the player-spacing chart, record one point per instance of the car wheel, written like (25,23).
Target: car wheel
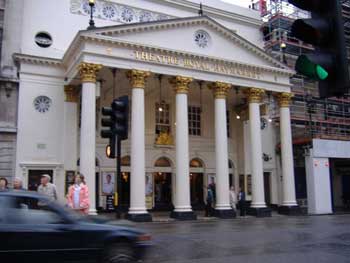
(119,253)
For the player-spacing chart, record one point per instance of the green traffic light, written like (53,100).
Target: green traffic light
(312,70)
(321,72)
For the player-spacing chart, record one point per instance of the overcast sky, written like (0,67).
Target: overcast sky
(244,3)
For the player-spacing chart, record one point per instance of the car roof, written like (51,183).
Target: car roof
(23,193)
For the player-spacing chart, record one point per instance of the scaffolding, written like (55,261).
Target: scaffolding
(311,116)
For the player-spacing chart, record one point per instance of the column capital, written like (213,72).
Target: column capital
(88,71)
(138,78)
(284,99)
(71,93)
(220,89)
(254,95)
(180,84)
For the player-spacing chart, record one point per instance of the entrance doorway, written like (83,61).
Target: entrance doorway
(34,177)
(162,191)
(125,183)
(197,184)
(163,185)
(340,185)
(267,188)
(197,193)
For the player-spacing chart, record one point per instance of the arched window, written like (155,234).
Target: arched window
(163,162)
(196,163)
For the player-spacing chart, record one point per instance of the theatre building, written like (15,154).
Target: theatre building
(202,96)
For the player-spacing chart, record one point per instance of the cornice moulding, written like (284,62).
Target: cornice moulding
(126,44)
(30,59)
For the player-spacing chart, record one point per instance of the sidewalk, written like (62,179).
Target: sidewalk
(163,217)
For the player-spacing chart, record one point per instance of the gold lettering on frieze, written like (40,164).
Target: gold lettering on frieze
(199,64)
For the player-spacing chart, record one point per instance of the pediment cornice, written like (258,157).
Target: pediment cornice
(107,33)
(160,50)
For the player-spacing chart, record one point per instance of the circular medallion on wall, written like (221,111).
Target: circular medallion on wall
(202,38)
(109,11)
(127,15)
(42,104)
(43,39)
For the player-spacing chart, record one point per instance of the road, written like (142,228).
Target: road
(278,239)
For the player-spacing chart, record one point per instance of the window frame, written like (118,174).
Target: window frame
(194,120)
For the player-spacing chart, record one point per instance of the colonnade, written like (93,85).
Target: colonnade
(183,210)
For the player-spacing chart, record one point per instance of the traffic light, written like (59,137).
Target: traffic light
(109,123)
(120,108)
(325,31)
(117,122)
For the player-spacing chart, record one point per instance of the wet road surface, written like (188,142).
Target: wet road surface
(277,239)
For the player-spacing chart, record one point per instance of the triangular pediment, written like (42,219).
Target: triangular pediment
(200,36)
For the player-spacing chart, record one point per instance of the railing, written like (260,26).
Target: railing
(322,118)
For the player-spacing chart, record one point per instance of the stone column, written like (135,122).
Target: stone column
(289,204)
(88,73)
(258,207)
(222,208)
(137,210)
(183,209)
(70,136)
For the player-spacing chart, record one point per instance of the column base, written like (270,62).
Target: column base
(259,211)
(225,214)
(139,217)
(289,210)
(183,216)
(92,212)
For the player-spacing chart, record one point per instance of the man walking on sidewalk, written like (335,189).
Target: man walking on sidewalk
(241,202)
(209,204)
(48,189)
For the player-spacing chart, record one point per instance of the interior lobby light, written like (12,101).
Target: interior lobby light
(270,120)
(238,117)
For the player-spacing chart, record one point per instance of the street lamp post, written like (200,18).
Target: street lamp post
(283,47)
(91,22)
(310,104)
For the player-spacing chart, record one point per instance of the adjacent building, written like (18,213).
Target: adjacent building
(8,93)
(320,127)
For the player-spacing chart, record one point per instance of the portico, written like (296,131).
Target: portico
(230,69)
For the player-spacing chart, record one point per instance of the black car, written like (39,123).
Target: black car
(56,234)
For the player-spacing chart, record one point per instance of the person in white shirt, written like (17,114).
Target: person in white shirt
(233,198)
(48,189)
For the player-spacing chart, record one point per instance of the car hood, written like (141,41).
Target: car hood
(97,224)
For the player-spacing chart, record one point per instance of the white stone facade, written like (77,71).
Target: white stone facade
(226,50)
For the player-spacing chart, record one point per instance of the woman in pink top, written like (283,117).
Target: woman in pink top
(78,195)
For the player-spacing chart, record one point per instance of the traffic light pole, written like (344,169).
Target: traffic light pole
(118,179)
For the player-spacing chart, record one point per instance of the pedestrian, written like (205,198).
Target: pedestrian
(3,184)
(212,186)
(233,198)
(48,189)
(209,204)
(78,195)
(18,184)
(241,202)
